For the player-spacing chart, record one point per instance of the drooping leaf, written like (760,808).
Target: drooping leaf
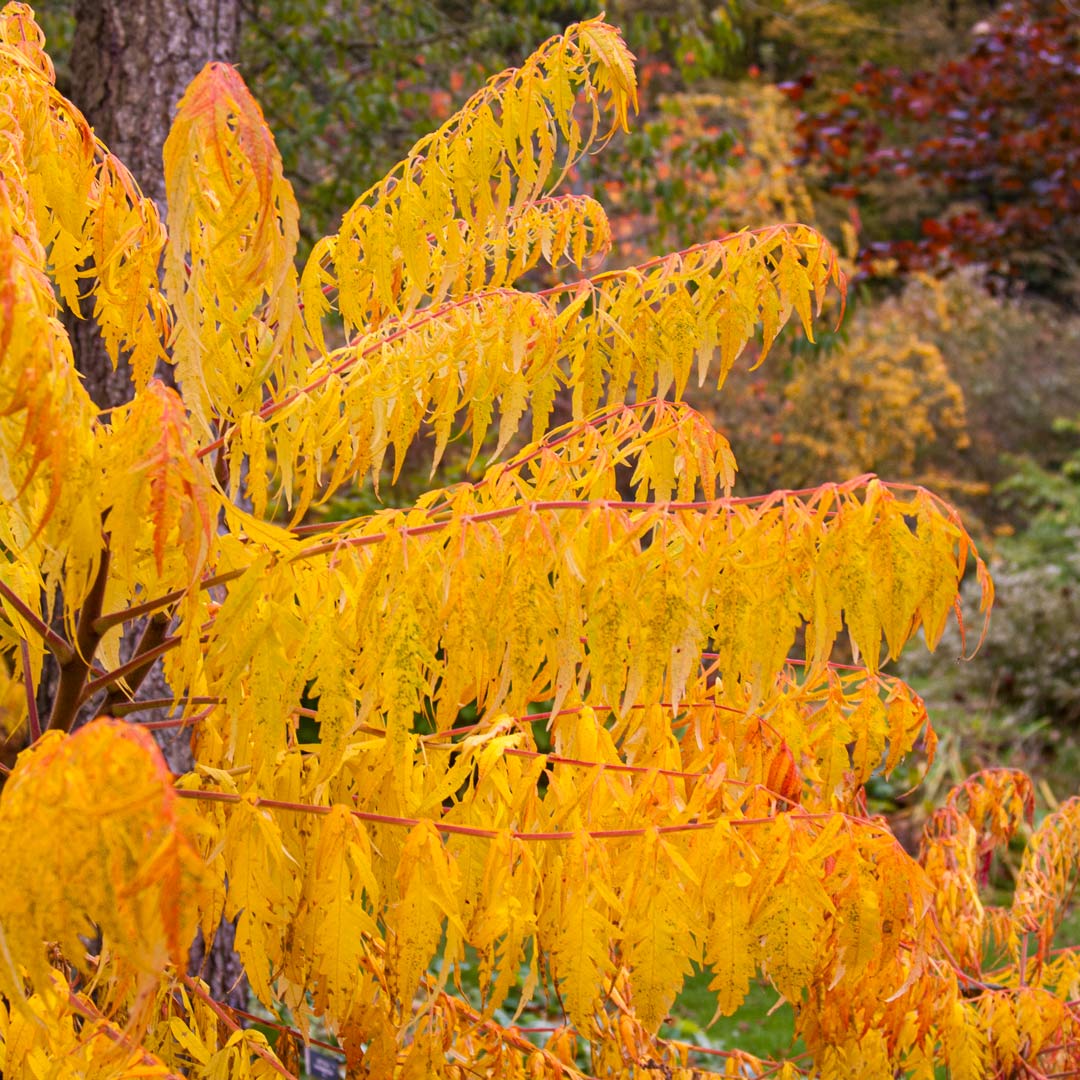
(229,271)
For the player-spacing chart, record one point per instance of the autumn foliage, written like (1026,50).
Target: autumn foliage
(986,146)
(666,770)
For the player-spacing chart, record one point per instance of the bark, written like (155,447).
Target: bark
(130,64)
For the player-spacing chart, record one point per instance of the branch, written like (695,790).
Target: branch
(454,829)
(85,1007)
(69,692)
(181,722)
(133,665)
(219,1011)
(296,1033)
(57,645)
(764,236)
(125,708)
(152,637)
(130,614)
(117,618)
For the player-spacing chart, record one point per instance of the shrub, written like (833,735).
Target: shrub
(1029,661)
(990,140)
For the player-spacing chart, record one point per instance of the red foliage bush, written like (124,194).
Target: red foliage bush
(989,143)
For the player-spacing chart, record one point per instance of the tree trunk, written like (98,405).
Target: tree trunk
(130,65)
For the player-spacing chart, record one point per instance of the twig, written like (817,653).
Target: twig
(452,828)
(152,636)
(116,618)
(86,1008)
(128,707)
(219,1011)
(133,665)
(765,236)
(296,1033)
(178,722)
(57,645)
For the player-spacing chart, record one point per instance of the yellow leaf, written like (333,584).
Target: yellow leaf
(340,900)
(427,891)
(229,271)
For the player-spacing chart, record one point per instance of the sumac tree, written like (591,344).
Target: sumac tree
(697,798)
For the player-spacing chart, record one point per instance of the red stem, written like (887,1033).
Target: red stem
(271,408)
(564,504)
(182,722)
(129,707)
(491,834)
(115,618)
(286,1030)
(217,1009)
(57,645)
(133,665)
(86,1008)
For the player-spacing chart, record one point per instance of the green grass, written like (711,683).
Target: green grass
(760,1027)
(754,1028)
